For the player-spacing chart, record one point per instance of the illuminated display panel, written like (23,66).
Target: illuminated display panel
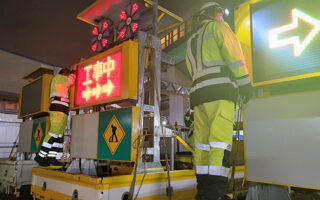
(99,80)
(107,77)
(285,39)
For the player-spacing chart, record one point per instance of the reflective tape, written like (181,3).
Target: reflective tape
(58,145)
(236,64)
(53,135)
(199,48)
(42,155)
(213,81)
(190,56)
(43,152)
(208,36)
(221,145)
(203,147)
(243,81)
(58,94)
(219,171)
(211,70)
(59,156)
(52,154)
(60,102)
(47,145)
(214,63)
(202,169)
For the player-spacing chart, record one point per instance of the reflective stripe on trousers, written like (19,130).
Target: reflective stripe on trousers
(212,170)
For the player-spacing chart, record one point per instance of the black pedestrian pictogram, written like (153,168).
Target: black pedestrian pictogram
(38,135)
(114,135)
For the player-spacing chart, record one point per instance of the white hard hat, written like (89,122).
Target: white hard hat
(208,5)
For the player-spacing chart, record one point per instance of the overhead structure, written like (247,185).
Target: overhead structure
(113,10)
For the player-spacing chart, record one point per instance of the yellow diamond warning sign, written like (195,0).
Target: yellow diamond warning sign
(38,135)
(114,134)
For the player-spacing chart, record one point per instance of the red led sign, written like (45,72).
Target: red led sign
(100,80)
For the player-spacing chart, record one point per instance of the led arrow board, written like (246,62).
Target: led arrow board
(285,40)
(108,77)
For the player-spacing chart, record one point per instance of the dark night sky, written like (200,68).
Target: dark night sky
(49,31)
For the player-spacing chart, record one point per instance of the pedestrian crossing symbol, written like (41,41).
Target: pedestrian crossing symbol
(38,134)
(113,134)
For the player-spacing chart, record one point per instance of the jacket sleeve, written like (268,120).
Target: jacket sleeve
(231,53)
(71,79)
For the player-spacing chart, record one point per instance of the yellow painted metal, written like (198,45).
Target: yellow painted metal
(110,182)
(165,11)
(181,158)
(135,132)
(181,195)
(160,17)
(129,79)
(107,183)
(184,143)
(45,95)
(39,193)
(242,23)
(41,67)
(169,27)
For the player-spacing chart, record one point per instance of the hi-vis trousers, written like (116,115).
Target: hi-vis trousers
(213,123)
(52,145)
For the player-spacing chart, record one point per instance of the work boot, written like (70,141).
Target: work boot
(225,197)
(200,186)
(44,162)
(214,187)
(55,162)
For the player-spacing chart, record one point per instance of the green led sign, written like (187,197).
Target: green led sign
(285,40)
(298,47)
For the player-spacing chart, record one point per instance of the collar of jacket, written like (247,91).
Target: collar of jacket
(206,21)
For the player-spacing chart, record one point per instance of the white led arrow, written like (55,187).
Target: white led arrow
(298,47)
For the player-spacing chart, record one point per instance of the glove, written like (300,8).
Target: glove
(246,93)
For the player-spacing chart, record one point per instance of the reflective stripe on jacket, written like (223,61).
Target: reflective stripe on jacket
(216,63)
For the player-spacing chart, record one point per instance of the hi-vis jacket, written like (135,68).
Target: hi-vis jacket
(216,63)
(59,92)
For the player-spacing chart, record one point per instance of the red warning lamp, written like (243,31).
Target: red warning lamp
(123,15)
(102,35)
(130,18)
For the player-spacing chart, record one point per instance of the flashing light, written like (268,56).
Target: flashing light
(134,27)
(135,7)
(275,42)
(104,42)
(129,21)
(95,31)
(105,26)
(102,35)
(226,12)
(99,80)
(94,46)
(122,33)
(123,15)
